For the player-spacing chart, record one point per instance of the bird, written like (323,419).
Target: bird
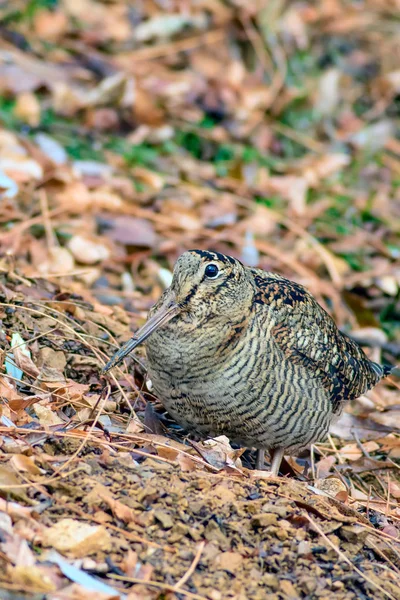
(249,354)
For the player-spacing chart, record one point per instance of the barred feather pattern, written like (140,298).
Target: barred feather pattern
(253,356)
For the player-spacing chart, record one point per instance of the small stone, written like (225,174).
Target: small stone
(281,534)
(304,548)
(270,580)
(264,520)
(255,575)
(288,589)
(338,585)
(309,585)
(353,533)
(215,595)
(164,518)
(87,251)
(281,511)
(229,561)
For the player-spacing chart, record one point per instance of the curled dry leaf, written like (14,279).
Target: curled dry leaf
(8,391)
(20,462)
(120,510)
(219,453)
(22,356)
(331,486)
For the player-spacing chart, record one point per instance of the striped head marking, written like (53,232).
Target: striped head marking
(202,276)
(207,289)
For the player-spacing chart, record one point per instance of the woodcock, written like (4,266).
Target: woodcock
(249,354)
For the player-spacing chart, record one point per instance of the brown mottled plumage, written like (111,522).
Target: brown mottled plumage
(249,354)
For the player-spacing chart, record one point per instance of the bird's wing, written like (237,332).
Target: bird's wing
(308,336)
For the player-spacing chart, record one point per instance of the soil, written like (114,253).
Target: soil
(227,531)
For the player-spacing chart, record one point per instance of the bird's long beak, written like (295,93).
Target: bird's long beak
(164,314)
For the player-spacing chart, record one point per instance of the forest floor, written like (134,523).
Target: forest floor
(131,132)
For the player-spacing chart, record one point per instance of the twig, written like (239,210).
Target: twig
(360,444)
(130,535)
(44,207)
(191,569)
(299,138)
(101,402)
(344,557)
(368,501)
(161,50)
(156,584)
(387,507)
(332,443)
(383,555)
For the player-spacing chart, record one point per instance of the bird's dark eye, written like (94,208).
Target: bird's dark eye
(211,271)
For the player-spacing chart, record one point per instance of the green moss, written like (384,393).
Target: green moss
(274,202)
(25,11)
(7,117)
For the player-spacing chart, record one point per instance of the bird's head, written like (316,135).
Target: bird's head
(206,286)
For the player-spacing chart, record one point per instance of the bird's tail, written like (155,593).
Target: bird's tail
(388,370)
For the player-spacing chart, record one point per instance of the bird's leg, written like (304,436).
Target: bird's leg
(260,460)
(276,459)
(276,456)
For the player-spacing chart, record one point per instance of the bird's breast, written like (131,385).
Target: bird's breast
(239,384)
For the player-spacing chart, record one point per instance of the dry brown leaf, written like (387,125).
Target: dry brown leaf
(77,538)
(46,416)
(219,453)
(27,108)
(186,463)
(365,428)
(34,577)
(88,251)
(324,466)
(392,531)
(353,451)
(17,551)
(23,360)
(394,489)
(120,510)
(79,592)
(8,391)
(59,260)
(50,25)
(131,231)
(14,510)
(332,486)
(20,462)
